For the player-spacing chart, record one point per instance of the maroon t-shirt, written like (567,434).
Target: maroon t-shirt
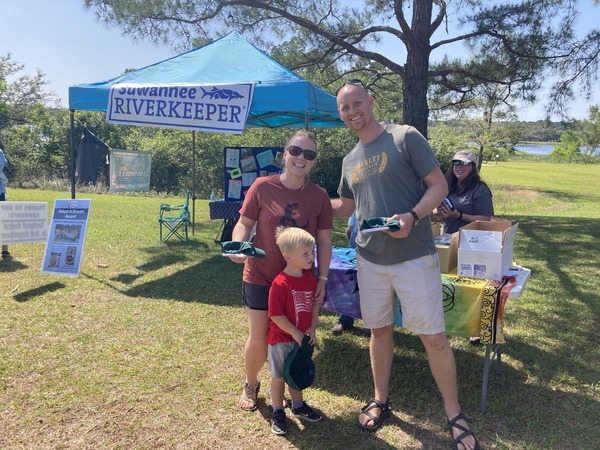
(271,204)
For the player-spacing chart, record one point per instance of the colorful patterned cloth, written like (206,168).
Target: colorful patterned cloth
(472,307)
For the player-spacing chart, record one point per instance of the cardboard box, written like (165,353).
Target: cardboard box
(448,254)
(436,228)
(485,249)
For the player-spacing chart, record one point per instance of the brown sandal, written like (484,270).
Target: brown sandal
(249,394)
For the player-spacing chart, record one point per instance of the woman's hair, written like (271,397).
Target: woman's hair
(292,238)
(471,181)
(304,133)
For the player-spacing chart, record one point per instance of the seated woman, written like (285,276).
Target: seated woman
(471,198)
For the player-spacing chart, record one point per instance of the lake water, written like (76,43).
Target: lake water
(533,149)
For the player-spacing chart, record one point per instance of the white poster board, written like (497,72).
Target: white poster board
(66,236)
(23,222)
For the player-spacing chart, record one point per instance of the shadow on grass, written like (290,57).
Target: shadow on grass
(562,242)
(515,405)
(158,262)
(341,430)
(11,265)
(214,280)
(566,251)
(343,369)
(39,291)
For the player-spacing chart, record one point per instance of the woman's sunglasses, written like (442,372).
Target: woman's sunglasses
(309,155)
(456,162)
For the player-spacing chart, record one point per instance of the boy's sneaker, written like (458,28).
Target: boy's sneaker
(305,412)
(278,425)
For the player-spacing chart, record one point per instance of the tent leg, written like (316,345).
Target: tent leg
(193,182)
(72,150)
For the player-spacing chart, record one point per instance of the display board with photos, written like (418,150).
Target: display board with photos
(243,165)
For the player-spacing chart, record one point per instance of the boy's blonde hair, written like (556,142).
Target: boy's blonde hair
(292,238)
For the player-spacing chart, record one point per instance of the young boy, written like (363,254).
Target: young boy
(292,313)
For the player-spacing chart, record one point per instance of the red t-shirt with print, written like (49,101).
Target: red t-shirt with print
(293,298)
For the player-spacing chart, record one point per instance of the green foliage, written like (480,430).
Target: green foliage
(567,148)
(541,130)
(40,148)
(20,94)
(333,145)
(446,141)
(591,133)
(171,160)
(30,130)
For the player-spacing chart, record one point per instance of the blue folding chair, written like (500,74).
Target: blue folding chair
(175,219)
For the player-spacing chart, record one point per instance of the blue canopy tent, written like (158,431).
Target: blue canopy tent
(281,97)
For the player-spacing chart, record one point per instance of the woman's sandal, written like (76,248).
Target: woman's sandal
(249,395)
(386,411)
(465,432)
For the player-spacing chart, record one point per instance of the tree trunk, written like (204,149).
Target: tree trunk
(415,82)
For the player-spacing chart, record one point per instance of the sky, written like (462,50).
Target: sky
(71,47)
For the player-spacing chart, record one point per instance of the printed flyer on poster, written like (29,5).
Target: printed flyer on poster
(66,237)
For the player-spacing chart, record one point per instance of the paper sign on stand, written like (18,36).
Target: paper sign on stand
(66,237)
(23,222)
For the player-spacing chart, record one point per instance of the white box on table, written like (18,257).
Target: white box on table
(485,249)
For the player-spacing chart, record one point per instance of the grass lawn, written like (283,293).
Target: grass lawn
(144,349)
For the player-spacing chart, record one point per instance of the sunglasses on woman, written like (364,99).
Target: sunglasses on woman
(457,162)
(309,155)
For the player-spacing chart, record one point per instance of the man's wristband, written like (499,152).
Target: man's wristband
(322,277)
(415,218)
(460,217)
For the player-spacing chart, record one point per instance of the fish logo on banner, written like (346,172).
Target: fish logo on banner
(212,107)
(226,94)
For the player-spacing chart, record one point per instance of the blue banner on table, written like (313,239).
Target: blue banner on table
(204,107)
(130,171)
(66,237)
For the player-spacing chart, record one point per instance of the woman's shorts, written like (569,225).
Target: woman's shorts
(255,296)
